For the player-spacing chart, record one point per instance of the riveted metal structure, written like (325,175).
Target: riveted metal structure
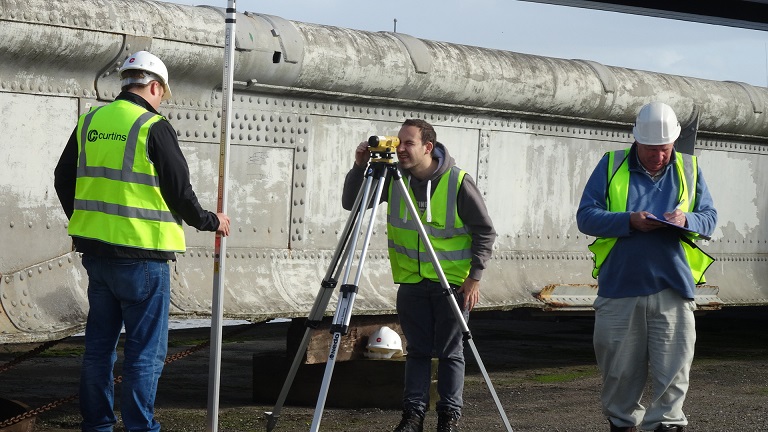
(529,129)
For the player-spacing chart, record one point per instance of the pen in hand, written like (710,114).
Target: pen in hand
(676,216)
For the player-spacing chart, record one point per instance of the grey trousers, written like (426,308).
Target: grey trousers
(636,337)
(431,328)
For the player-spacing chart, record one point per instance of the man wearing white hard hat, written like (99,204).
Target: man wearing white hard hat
(124,184)
(646,271)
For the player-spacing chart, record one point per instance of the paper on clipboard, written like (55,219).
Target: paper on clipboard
(681,228)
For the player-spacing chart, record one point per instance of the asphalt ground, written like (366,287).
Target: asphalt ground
(542,368)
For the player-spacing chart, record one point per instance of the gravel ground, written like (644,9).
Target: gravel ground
(543,370)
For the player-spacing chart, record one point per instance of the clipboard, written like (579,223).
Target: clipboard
(680,228)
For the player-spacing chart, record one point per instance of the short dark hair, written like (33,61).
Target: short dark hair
(428,133)
(133,73)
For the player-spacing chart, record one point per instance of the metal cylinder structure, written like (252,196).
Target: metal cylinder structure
(529,129)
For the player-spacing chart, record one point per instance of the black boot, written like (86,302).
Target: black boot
(615,428)
(448,421)
(670,428)
(411,422)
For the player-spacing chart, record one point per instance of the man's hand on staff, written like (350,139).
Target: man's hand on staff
(223,228)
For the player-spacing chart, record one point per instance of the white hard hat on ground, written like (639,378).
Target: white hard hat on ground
(384,343)
(153,67)
(656,124)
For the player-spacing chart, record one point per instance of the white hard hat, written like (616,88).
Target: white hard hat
(384,343)
(656,124)
(154,67)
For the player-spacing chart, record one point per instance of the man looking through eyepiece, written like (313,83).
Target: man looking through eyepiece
(453,213)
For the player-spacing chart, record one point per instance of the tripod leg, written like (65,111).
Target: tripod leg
(343,314)
(487,379)
(338,330)
(342,254)
(454,305)
(324,297)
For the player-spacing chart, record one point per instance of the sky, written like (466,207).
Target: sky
(614,39)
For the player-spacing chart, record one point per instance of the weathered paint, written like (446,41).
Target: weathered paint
(579,298)
(529,130)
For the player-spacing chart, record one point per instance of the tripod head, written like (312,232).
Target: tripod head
(382,148)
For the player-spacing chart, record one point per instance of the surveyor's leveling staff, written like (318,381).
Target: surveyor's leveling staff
(217,308)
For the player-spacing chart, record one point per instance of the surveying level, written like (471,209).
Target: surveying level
(375,178)
(382,148)
(382,143)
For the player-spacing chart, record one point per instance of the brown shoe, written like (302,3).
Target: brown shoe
(615,428)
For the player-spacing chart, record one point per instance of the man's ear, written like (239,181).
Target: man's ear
(429,146)
(155,87)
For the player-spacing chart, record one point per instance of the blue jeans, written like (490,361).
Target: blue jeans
(134,293)
(431,327)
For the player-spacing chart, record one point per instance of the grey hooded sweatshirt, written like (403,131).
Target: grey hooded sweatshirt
(471,207)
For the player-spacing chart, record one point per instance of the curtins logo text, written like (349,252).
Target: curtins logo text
(93,135)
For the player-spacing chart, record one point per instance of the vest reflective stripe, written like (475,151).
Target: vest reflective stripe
(424,256)
(117,195)
(446,232)
(129,212)
(616,201)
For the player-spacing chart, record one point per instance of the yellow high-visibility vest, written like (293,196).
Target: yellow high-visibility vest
(449,237)
(117,195)
(618,190)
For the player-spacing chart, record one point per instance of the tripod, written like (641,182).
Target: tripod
(381,164)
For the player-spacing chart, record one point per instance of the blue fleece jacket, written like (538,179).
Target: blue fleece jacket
(643,263)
